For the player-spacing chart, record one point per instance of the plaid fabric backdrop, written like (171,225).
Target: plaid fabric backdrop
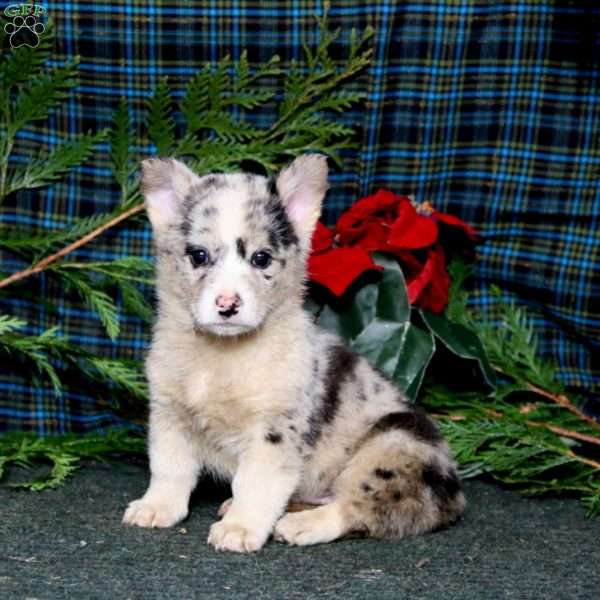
(490,110)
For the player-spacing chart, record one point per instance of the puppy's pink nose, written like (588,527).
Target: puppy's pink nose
(227,302)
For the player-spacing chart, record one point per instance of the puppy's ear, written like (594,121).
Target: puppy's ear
(165,182)
(302,186)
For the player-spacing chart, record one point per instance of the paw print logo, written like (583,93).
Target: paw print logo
(24,31)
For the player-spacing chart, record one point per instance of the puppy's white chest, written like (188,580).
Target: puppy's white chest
(219,401)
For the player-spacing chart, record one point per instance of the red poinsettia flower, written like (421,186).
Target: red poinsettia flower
(429,288)
(383,220)
(336,267)
(386,222)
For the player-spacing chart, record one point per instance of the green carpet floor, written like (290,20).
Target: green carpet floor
(69,543)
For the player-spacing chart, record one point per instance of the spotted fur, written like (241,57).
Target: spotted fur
(245,386)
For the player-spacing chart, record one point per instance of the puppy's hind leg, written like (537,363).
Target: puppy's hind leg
(395,485)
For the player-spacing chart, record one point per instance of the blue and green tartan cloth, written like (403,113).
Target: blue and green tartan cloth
(489,110)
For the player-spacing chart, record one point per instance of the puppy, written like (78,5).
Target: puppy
(244,385)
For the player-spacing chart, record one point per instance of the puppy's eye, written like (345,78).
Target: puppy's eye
(199,257)
(261,259)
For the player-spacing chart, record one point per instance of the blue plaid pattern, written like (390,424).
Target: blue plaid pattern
(489,110)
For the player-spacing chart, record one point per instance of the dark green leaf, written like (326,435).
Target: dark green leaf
(350,322)
(416,353)
(381,343)
(460,340)
(392,302)
(376,322)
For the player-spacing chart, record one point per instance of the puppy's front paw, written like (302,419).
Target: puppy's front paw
(235,538)
(144,513)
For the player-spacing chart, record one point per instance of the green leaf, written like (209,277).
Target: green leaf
(161,126)
(381,342)
(417,351)
(349,323)
(392,302)
(461,340)
(377,321)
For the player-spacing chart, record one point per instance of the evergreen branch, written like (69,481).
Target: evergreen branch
(523,445)
(122,375)
(592,505)
(9,323)
(321,80)
(121,140)
(64,453)
(245,78)
(46,169)
(210,92)
(50,351)
(97,300)
(161,126)
(250,99)
(511,453)
(37,245)
(194,104)
(575,435)
(36,349)
(511,346)
(135,302)
(37,98)
(125,273)
(22,64)
(565,403)
(50,260)
(130,268)
(218,84)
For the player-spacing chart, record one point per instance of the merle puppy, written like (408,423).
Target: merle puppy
(245,386)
